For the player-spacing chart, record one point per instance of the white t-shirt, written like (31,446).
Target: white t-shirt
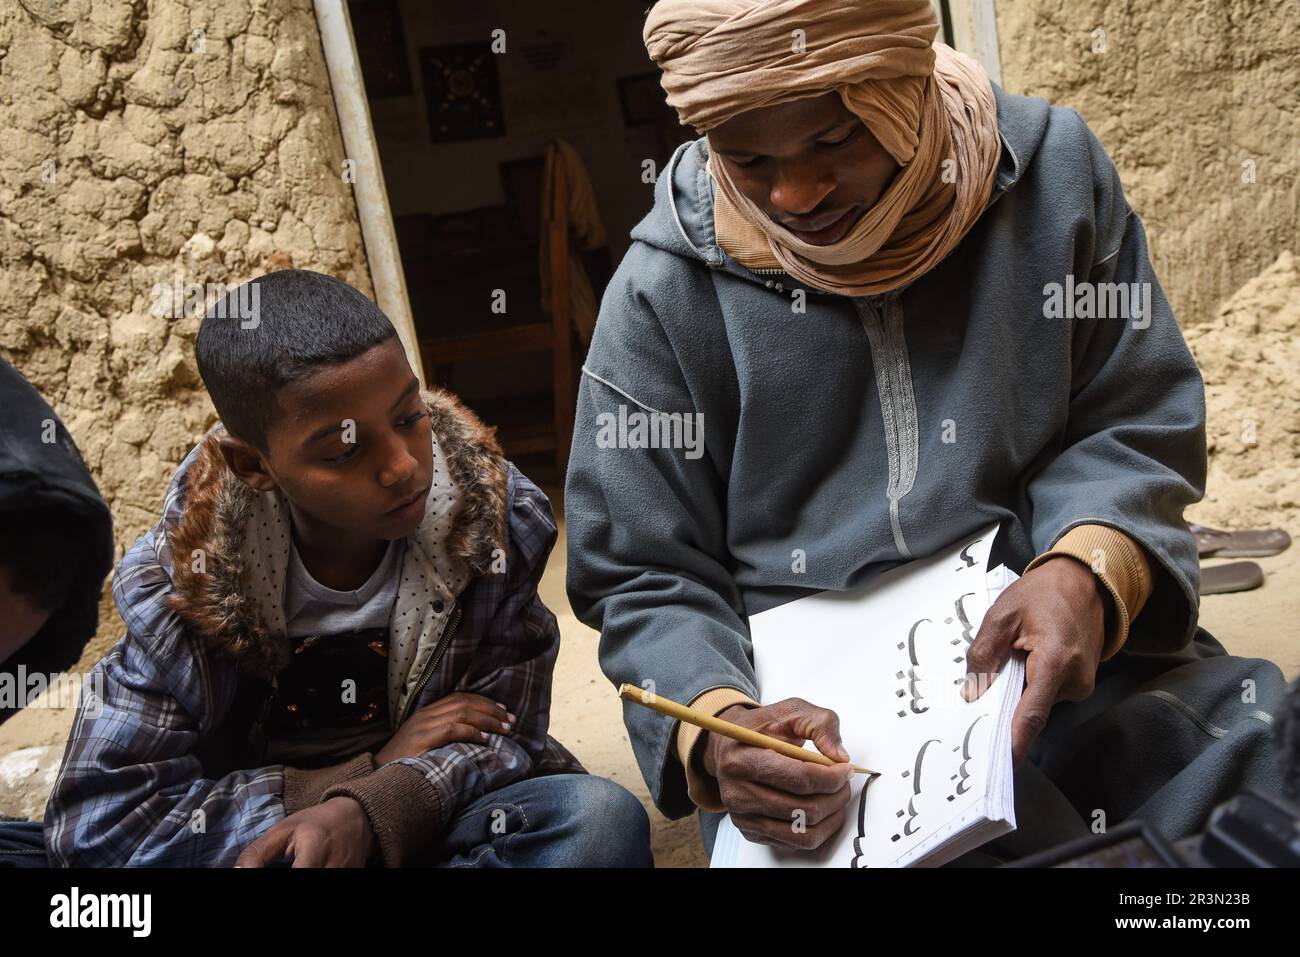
(312,609)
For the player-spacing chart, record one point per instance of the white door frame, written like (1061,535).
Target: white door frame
(368,188)
(975,33)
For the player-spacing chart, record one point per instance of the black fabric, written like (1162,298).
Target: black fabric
(22,844)
(333,682)
(37,474)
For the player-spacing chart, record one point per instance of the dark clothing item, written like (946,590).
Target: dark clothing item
(22,844)
(1165,738)
(331,701)
(40,467)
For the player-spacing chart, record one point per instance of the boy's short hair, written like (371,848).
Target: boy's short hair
(274,330)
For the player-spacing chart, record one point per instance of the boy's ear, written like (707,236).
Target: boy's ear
(246,462)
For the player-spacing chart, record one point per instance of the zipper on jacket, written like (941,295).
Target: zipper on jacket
(257,737)
(448,633)
(779,286)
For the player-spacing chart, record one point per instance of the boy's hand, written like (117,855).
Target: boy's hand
(335,833)
(1056,613)
(457,717)
(774,799)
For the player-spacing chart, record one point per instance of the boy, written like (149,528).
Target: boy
(335,649)
(56,546)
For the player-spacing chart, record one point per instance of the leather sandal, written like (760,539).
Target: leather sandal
(1234,576)
(1242,543)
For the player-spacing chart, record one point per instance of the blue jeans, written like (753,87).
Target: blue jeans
(22,844)
(559,820)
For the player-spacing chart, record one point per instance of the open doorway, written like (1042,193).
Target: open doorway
(513,139)
(502,129)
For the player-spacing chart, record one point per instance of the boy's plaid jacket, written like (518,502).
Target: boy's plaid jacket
(163,764)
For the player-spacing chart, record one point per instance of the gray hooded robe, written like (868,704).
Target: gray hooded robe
(860,432)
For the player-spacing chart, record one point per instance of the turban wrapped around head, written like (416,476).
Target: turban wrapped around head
(930,107)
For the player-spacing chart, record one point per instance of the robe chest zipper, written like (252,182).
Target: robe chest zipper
(771,283)
(448,633)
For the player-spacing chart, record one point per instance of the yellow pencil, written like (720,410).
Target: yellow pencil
(708,722)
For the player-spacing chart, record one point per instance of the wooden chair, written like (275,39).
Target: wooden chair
(555,335)
(555,220)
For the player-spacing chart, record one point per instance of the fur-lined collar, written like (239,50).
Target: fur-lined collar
(214,597)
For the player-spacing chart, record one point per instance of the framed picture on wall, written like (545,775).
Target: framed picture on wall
(381,47)
(462,91)
(641,97)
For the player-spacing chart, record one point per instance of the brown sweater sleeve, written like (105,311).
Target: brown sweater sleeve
(404,809)
(1120,564)
(303,789)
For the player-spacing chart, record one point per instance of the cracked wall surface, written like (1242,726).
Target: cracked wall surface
(144,143)
(1249,354)
(1185,93)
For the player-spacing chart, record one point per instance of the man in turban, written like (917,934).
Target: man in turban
(854,280)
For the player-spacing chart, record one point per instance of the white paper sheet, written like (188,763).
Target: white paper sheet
(889,659)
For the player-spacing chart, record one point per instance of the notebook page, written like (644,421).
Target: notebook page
(889,658)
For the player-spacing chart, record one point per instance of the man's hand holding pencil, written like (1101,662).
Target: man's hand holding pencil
(777,791)
(774,799)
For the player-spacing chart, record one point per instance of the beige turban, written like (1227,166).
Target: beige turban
(929,106)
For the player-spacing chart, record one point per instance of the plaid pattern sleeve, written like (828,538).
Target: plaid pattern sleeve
(512,663)
(131,790)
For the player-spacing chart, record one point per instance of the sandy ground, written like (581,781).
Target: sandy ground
(587,716)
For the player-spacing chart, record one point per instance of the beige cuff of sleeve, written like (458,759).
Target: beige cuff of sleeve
(701,787)
(1120,564)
